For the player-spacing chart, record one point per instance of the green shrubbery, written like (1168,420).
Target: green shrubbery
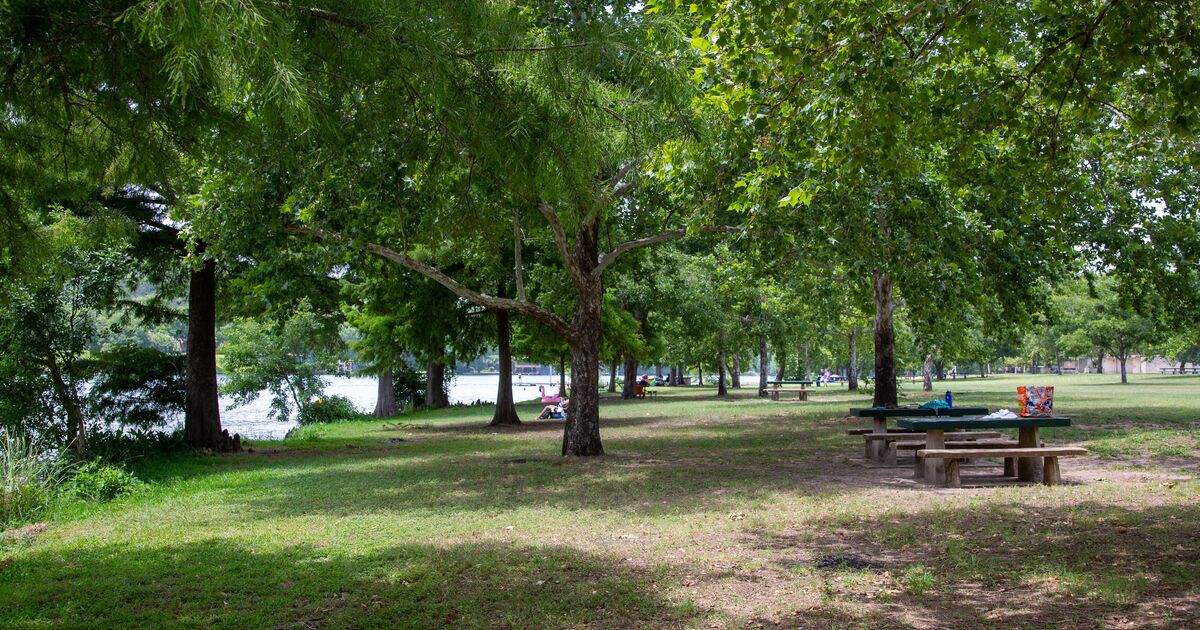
(29,479)
(97,481)
(330,409)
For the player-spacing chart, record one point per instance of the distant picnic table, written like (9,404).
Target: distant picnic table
(1180,370)
(774,389)
(941,464)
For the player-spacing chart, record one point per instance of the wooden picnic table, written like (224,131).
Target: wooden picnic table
(879,415)
(1027,437)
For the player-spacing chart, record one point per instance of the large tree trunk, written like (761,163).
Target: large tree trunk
(782,364)
(435,381)
(721,389)
(1121,358)
(1100,363)
(927,374)
(762,364)
(506,410)
(385,399)
(852,373)
(886,394)
(581,431)
(735,377)
(612,377)
(658,372)
(202,410)
(672,376)
(939,368)
(629,386)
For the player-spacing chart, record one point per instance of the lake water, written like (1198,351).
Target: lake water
(251,419)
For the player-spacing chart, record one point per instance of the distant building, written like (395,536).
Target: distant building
(531,369)
(1135,364)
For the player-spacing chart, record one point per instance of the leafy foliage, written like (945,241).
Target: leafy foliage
(142,387)
(286,359)
(322,410)
(98,481)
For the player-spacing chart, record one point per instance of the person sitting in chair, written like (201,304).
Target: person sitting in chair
(556,412)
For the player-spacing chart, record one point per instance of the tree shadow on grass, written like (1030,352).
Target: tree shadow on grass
(646,475)
(226,583)
(1068,565)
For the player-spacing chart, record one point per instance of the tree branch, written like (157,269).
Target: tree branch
(564,250)
(519,272)
(525,308)
(611,257)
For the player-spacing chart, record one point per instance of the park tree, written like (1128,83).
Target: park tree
(48,320)
(86,94)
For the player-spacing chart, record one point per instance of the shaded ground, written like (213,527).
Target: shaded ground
(706,514)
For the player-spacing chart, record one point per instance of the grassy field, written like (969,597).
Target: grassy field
(705,513)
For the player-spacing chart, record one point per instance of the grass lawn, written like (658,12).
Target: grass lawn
(705,513)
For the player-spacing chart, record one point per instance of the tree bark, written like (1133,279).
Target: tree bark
(939,368)
(700,376)
(1121,358)
(506,409)
(630,370)
(782,364)
(852,373)
(562,377)
(1100,363)
(886,394)
(927,374)
(612,377)
(202,410)
(69,399)
(735,377)
(385,398)
(807,365)
(581,431)
(435,381)
(658,372)
(672,376)
(721,389)
(763,360)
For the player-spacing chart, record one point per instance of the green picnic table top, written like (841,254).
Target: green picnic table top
(949,424)
(789,382)
(917,412)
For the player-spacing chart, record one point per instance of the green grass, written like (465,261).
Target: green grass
(705,513)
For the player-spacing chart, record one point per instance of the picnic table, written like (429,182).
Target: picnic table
(876,449)
(774,390)
(1179,370)
(1027,438)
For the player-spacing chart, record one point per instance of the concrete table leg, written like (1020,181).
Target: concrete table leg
(1028,468)
(935,467)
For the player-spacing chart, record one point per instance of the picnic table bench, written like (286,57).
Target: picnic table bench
(880,415)
(1028,454)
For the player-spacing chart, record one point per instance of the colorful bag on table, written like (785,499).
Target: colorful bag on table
(1036,401)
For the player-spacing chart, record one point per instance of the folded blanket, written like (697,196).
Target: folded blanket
(935,404)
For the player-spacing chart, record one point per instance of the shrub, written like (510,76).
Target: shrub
(124,445)
(326,410)
(98,481)
(29,479)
